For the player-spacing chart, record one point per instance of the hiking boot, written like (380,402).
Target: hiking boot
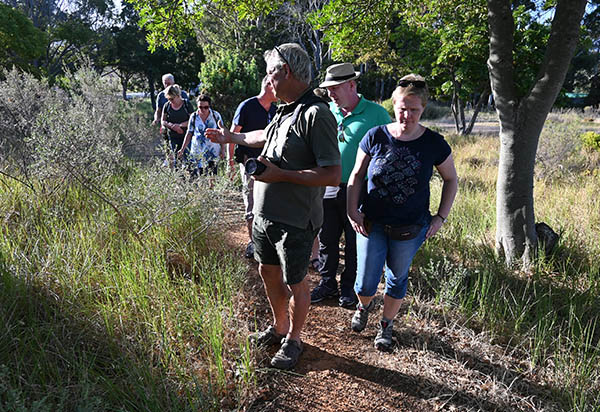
(266,337)
(287,356)
(348,301)
(359,320)
(249,253)
(383,340)
(322,292)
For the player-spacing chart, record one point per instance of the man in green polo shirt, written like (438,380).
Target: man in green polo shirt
(301,156)
(355,115)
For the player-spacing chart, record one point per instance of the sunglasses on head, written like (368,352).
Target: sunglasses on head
(416,83)
(284,59)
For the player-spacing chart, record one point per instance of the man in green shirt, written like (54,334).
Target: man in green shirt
(301,157)
(354,115)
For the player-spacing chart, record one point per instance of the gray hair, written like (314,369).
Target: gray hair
(168,76)
(295,57)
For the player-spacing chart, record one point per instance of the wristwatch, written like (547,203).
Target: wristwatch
(442,217)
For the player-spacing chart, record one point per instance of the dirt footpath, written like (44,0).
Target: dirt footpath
(438,364)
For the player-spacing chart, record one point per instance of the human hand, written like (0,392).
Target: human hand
(271,174)
(357,220)
(434,226)
(180,154)
(220,135)
(177,128)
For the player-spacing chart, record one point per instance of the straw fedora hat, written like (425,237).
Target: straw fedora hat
(338,74)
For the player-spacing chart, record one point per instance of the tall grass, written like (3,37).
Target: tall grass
(90,315)
(549,313)
(116,288)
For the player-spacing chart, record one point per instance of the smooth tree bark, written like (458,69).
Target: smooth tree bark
(522,119)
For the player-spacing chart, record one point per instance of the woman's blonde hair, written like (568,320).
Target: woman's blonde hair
(411,85)
(173,91)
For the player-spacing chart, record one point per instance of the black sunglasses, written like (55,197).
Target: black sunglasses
(416,83)
(284,59)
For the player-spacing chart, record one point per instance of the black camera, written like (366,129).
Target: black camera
(254,167)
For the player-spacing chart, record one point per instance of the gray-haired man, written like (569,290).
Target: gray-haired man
(301,157)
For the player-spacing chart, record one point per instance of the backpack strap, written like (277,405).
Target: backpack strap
(188,106)
(192,123)
(302,106)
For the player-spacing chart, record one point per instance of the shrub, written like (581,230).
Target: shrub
(559,146)
(228,80)
(591,140)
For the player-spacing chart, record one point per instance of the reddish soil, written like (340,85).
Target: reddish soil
(438,363)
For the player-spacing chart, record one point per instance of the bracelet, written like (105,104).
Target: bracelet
(442,217)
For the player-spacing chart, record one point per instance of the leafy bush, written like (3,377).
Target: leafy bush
(80,131)
(86,265)
(559,146)
(228,80)
(591,140)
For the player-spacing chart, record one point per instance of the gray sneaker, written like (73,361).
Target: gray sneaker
(359,320)
(266,337)
(287,356)
(384,339)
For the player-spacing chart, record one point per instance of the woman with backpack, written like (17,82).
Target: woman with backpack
(175,115)
(203,154)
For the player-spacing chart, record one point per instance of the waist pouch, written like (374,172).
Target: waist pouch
(402,232)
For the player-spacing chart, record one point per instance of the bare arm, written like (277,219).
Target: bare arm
(449,189)
(235,128)
(221,135)
(157,114)
(355,183)
(317,176)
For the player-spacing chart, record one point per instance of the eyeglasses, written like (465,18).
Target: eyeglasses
(284,59)
(341,135)
(419,84)
(205,107)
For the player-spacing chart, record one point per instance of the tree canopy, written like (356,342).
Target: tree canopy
(20,41)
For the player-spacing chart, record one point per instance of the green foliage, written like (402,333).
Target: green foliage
(531,37)
(20,41)
(228,80)
(96,313)
(591,140)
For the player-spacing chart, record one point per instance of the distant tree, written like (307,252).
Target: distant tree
(446,41)
(72,28)
(20,42)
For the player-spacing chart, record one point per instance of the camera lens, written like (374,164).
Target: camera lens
(254,167)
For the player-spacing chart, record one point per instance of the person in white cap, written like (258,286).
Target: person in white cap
(355,115)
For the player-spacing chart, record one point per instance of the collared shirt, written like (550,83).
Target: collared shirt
(309,143)
(353,127)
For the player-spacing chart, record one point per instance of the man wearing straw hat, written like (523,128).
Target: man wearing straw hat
(355,115)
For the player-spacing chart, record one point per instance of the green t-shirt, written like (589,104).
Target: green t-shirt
(354,127)
(311,142)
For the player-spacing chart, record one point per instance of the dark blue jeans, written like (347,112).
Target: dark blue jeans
(335,222)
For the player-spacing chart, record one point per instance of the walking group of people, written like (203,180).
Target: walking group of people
(335,168)
(183,128)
